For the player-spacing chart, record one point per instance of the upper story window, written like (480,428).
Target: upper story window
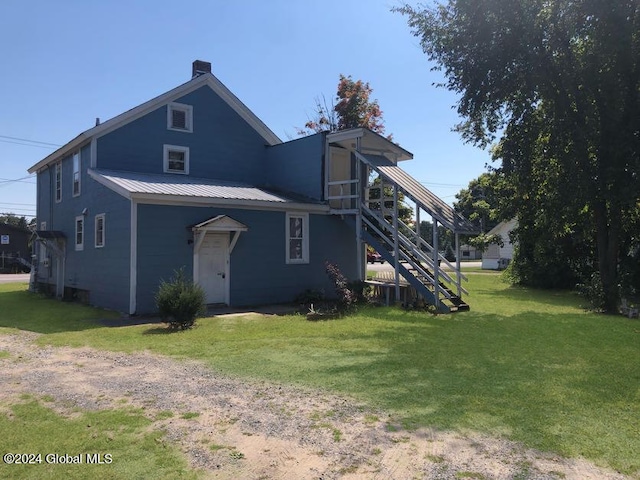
(80,233)
(76,174)
(180,117)
(99,233)
(297,249)
(58,173)
(176,159)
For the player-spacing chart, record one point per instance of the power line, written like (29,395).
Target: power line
(26,144)
(6,181)
(48,144)
(22,204)
(14,214)
(442,184)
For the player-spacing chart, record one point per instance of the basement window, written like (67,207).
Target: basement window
(180,117)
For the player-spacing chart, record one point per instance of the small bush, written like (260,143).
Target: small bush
(347,298)
(593,291)
(180,301)
(310,296)
(361,290)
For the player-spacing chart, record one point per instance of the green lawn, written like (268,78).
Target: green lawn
(126,448)
(531,366)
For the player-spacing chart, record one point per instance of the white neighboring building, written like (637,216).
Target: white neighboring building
(469,252)
(497,257)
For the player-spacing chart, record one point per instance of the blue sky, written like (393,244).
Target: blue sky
(66,62)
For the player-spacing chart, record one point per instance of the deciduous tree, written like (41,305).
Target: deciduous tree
(11,219)
(557,84)
(354,109)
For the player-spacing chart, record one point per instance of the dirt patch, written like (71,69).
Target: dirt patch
(230,428)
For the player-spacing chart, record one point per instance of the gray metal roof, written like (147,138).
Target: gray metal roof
(185,186)
(431,203)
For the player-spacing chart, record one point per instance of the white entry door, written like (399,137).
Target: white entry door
(213,271)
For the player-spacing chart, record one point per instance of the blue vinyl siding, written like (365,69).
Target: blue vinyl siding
(297,166)
(104,272)
(258,271)
(222,146)
(61,215)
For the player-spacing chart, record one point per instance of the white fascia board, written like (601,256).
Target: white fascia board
(62,152)
(109,184)
(161,199)
(122,119)
(130,115)
(242,110)
(342,135)
(381,144)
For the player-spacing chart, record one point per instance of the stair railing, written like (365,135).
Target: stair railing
(418,257)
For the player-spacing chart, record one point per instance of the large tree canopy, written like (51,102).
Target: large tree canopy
(483,201)
(557,84)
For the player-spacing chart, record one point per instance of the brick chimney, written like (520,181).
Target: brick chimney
(199,67)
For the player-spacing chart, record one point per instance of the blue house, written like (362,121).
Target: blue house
(193,179)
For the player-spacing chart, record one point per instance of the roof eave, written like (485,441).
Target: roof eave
(354,133)
(183,200)
(61,152)
(130,115)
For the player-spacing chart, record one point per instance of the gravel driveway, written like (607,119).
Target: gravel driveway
(280,431)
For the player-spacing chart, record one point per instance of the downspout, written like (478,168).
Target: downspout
(133,260)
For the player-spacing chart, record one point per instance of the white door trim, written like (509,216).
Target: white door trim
(219,224)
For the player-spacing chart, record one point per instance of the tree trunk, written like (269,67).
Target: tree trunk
(608,245)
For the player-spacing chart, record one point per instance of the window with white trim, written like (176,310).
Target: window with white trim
(176,159)
(297,235)
(58,174)
(76,174)
(80,233)
(180,117)
(99,231)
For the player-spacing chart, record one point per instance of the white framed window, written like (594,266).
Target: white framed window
(180,117)
(99,231)
(176,159)
(58,174)
(76,174)
(79,233)
(297,235)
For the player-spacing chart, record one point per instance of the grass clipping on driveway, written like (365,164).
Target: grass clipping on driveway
(527,365)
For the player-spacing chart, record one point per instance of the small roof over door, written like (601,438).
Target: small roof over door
(221,223)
